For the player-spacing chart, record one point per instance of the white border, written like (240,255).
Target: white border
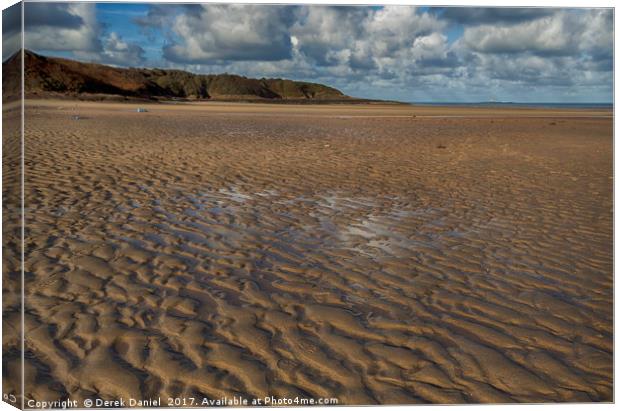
(480,3)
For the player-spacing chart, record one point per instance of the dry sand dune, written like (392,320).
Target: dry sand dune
(213,250)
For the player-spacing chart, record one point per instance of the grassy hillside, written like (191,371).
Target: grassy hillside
(50,75)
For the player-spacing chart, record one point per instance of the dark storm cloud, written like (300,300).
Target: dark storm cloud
(362,62)
(11,31)
(11,19)
(450,60)
(75,27)
(155,16)
(161,15)
(486,15)
(50,14)
(598,64)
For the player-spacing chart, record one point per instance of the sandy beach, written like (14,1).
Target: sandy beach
(373,254)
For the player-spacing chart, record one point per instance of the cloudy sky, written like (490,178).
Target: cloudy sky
(390,52)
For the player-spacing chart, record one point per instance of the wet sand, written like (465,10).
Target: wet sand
(359,253)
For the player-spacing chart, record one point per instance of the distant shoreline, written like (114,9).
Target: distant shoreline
(113,98)
(577,106)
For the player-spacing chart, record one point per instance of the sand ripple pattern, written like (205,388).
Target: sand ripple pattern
(11,252)
(188,254)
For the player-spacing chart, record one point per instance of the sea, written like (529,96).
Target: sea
(599,106)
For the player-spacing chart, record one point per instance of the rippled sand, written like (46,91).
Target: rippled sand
(360,253)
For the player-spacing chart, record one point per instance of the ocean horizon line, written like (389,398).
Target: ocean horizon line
(516,104)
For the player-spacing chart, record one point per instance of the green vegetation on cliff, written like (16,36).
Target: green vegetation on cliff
(51,75)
